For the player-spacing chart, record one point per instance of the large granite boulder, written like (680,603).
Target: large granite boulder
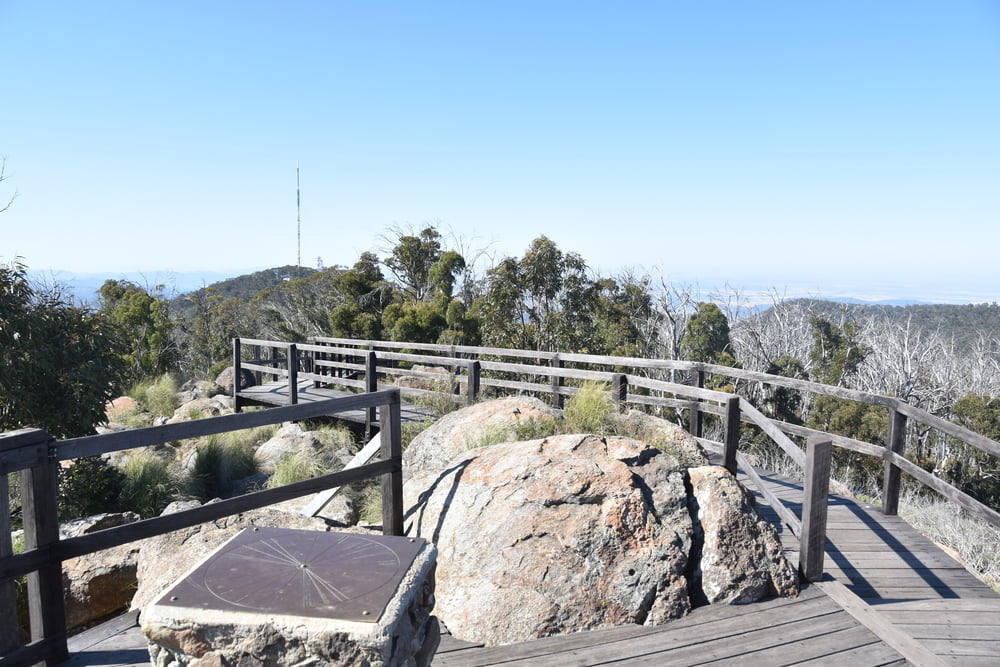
(556,535)
(740,559)
(489,422)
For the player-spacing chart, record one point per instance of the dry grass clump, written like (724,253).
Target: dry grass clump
(976,542)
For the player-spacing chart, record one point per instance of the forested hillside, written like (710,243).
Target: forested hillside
(241,287)
(963,322)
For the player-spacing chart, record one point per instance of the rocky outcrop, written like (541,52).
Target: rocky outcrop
(98,584)
(225,379)
(740,559)
(431,378)
(557,535)
(663,435)
(202,407)
(481,424)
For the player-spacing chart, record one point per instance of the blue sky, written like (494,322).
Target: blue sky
(847,143)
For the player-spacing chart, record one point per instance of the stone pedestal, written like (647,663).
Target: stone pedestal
(275,596)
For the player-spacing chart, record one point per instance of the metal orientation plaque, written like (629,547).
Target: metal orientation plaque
(346,576)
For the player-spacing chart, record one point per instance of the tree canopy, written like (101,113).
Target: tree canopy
(59,363)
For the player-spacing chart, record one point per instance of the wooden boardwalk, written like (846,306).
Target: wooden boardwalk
(891,597)
(909,585)
(276,393)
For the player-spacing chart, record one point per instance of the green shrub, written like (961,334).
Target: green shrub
(158,396)
(590,410)
(148,486)
(495,434)
(89,486)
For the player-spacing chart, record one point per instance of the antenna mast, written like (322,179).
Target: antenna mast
(298,214)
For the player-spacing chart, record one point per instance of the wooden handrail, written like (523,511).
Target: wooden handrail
(695,399)
(36,456)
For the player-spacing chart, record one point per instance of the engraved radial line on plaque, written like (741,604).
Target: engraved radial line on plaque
(280,548)
(239,601)
(322,587)
(270,552)
(361,549)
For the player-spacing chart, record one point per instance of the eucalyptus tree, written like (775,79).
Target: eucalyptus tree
(141,320)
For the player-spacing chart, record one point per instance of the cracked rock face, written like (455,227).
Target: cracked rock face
(549,536)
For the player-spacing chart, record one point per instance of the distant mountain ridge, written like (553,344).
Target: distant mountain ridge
(243,287)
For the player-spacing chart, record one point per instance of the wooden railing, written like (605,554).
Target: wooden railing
(341,361)
(36,456)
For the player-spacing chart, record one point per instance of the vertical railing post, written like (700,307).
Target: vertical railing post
(293,373)
(257,375)
(8,599)
(14,443)
(558,382)
(237,373)
(891,477)
(392,482)
(732,440)
(371,385)
(696,418)
(472,390)
(812,541)
(39,505)
(619,389)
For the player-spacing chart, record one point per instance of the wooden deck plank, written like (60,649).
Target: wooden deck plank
(865,648)
(875,654)
(965,647)
(952,631)
(276,393)
(722,629)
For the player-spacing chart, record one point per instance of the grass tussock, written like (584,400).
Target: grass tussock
(157,396)
(148,485)
(590,410)
(224,458)
(296,467)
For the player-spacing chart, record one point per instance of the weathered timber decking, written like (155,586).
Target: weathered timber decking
(907,585)
(276,393)
(891,597)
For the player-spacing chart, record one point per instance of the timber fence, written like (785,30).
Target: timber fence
(36,456)
(464,374)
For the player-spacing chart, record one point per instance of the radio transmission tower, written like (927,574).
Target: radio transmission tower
(298,215)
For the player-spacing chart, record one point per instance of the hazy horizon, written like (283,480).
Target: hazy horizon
(756,290)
